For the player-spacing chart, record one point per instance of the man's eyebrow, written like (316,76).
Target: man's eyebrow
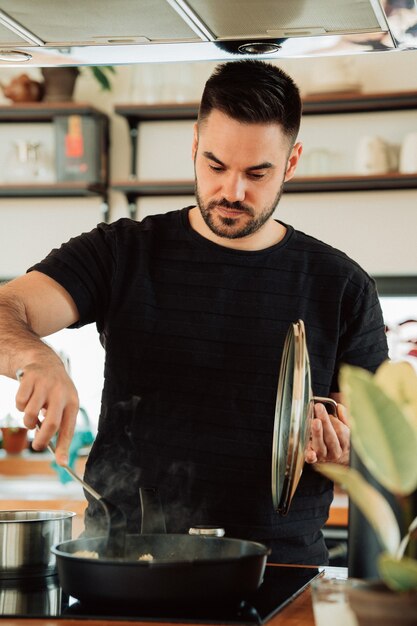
(210,155)
(266,165)
(261,166)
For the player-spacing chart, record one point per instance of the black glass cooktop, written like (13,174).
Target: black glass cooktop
(43,597)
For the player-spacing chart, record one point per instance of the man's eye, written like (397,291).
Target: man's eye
(216,168)
(255,176)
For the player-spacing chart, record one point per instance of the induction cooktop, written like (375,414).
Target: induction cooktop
(43,597)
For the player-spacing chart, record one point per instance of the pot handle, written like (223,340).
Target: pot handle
(153,519)
(329,403)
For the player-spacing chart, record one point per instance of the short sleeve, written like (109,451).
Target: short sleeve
(363,340)
(85,267)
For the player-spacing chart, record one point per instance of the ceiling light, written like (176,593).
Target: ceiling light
(259,47)
(14,55)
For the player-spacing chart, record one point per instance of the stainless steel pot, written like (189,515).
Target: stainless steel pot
(26,538)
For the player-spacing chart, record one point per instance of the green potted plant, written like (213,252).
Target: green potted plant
(15,438)
(59,82)
(383,413)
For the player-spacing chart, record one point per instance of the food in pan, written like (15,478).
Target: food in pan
(86,554)
(92,554)
(145,557)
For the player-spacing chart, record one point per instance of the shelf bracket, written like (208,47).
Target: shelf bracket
(132,206)
(105,209)
(133,135)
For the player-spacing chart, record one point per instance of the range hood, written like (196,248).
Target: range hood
(56,32)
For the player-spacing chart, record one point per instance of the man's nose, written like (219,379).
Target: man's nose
(234,188)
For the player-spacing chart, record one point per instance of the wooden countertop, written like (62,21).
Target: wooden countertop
(28,463)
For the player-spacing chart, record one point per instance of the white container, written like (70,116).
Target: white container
(408,155)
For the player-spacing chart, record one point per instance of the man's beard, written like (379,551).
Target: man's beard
(227,226)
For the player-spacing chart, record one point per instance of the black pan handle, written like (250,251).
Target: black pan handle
(153,519)
(117,526)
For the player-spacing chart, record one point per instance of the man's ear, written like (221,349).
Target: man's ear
(195,142)
(293,160)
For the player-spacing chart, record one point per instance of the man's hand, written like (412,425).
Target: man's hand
(330,437)
(46,388)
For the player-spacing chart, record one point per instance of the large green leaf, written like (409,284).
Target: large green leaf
(399,381)
(369,500)
(398,575)
(382,434)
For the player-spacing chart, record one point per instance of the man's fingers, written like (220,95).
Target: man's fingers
(317,440)
(310,456)
(66,433)
(334,433)
(49,426)
(47,389)
(24,394)
(343,415)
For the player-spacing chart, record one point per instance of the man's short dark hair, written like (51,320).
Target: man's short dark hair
(253,92)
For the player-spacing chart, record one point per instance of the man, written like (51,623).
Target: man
(193,308)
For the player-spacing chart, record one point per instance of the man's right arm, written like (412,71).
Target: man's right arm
(31,307)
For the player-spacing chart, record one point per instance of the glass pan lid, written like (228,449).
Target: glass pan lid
(293,415)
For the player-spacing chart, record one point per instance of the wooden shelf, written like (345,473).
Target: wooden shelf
(67,189)
(312,105)
(136,189)
(45,111)
(157,112)
(352,182)
(321,104)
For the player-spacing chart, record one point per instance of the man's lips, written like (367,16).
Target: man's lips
(227,212)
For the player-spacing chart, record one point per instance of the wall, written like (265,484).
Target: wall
(375,228)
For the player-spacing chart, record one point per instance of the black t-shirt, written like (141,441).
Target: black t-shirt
(193,334)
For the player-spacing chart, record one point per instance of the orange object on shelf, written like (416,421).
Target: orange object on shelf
(15,439)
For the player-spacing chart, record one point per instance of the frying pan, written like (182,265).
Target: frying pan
(185,570)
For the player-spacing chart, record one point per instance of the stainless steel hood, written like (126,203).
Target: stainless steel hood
(77,32)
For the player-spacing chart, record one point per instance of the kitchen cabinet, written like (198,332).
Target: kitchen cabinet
(77,164)
(315,108)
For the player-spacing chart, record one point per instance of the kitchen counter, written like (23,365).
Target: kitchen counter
(298,612)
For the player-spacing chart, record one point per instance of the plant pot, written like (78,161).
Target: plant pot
(59,83)
(373,604)
(14,439)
